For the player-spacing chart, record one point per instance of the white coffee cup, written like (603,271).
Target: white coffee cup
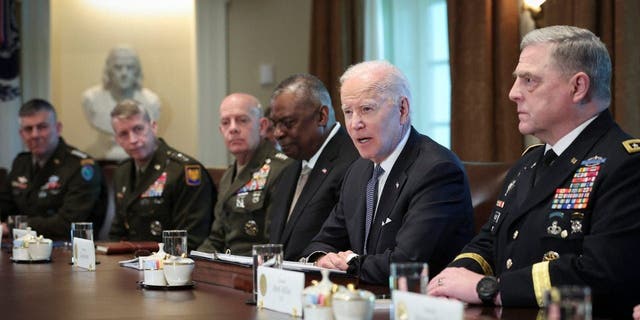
(40,249)
(178,271)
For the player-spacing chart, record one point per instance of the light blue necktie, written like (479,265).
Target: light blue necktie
(372,197)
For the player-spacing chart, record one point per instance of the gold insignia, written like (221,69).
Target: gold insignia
(632,145)
(86,162)
(193,175)
(541,280)
(531,147)
(550,256)
(251,228)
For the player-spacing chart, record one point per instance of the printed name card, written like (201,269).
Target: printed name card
(280,290)
(414,306)
(84,254)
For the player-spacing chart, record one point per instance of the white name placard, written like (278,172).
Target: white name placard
(280,290)
(414,306)
(84,254)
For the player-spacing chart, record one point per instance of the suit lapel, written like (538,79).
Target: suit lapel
(392,188)
(151,174)
(289,177)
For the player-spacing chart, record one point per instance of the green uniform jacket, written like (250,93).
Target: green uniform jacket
(242,213)
(68,188)
(174,192)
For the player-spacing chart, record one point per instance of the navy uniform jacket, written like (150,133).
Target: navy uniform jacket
(174,192)
(319,195)
(424,212)
(579,225)
(68,188)
(243,210)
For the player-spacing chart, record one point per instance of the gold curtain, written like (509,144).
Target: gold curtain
(484,49)
(336,42)
(617,23)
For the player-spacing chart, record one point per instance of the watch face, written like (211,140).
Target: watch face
(487,288)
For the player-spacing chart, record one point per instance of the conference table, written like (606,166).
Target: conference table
(57,290)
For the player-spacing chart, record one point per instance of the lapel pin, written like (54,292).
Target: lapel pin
(397,185)
(574,160)
(324,170)
(157,167)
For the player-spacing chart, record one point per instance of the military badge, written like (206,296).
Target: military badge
(256,197)
(193,175)
(632,145)
(156,189)
(155,228)
(258,180)
(20,183)
(87,162)
(52,184)
(251,228)
(550,256)
(87,172)
(554,228)
(240,200)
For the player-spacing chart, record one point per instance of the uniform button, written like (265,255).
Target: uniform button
(515,234)
(509,263)
(550,256)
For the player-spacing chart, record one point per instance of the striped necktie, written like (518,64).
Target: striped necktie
(372,199)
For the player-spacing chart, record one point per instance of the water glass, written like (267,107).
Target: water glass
(82,230)
(409,276)
(175,242)
(568,303)
(16,222)
(267,255)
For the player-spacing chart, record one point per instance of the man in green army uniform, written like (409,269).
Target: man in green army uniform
(158,188)
(242,213)
(54,184)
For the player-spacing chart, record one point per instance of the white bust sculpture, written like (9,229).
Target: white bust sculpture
(122,79)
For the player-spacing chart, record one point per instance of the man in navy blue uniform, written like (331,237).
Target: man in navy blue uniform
(406,199)
(568,213)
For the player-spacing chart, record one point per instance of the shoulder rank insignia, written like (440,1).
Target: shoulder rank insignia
(193,175)
(281,156)
(87,162)
(177,156)
(632,145)
(531,147)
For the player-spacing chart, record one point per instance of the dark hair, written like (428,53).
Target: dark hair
(307,88)
(34,106)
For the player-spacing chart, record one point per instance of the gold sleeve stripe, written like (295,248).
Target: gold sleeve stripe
(486,268)
(541,280)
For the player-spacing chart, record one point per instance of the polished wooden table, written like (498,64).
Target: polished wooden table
(58,290)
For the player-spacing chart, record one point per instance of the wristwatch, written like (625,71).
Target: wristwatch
(487,289)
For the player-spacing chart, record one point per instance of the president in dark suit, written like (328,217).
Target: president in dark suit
(423,211)
(306,128)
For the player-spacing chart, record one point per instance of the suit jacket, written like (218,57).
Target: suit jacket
(319,195)
(424,212)
(244,206)
(68,188)
(174,192)
(580,223)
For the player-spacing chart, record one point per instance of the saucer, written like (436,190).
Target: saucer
(30,261)
(167,287)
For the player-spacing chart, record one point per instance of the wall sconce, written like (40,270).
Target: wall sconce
(530,15)
(533,6)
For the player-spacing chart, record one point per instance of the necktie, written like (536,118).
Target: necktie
(302,180)
(547,160)
(372,199)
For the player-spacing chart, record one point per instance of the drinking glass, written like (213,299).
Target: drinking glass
(175,242)
(409,276)
(82,230)
(267,255)
(16,222)
(568,303)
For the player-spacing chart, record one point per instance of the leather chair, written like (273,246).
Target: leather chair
(3,175)
(485,180)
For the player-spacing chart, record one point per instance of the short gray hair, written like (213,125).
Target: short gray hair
(577,50)
(392,84)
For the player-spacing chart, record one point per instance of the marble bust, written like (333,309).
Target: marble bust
(122,79)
